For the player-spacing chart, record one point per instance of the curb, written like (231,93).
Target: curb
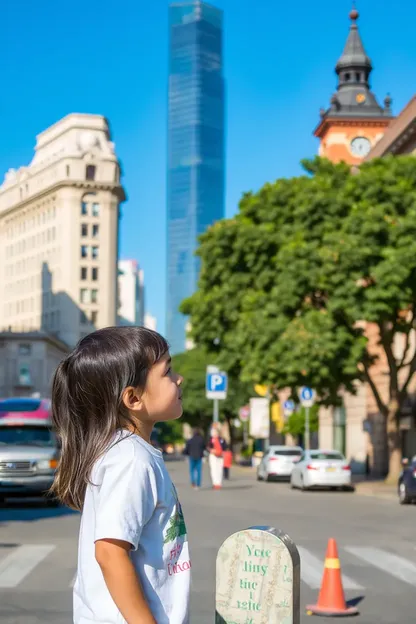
(391,496)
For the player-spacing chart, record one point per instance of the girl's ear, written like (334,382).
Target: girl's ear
(132,399)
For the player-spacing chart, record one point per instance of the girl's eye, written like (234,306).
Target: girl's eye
(168,372)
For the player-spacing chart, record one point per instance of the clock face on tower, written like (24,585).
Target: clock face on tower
(360,147)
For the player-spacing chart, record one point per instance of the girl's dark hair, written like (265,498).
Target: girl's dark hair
(87,407)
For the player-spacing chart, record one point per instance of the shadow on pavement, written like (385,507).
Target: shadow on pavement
(237,487)
(31,511)
(355,601)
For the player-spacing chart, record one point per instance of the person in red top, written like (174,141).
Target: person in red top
(217,446)
(228,462)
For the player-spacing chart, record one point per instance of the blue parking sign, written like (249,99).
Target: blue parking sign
(216,385)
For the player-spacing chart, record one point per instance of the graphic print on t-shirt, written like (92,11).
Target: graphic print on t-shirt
(177,526)
(177,536)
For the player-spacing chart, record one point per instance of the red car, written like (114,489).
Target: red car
(17,409)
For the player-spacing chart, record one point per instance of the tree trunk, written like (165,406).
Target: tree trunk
(394,446)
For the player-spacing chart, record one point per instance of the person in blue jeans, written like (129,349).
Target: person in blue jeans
(194,449)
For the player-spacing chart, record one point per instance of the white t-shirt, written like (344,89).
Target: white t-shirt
(133,499)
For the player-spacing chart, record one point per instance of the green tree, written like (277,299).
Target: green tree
(198,410)
(169,432)
(287,285)
(295,424)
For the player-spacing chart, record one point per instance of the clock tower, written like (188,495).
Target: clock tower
(355,121)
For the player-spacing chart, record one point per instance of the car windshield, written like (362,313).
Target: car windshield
(19,405)
(27,436)
(327,455)
(288,452)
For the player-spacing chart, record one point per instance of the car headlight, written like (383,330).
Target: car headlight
(47,464)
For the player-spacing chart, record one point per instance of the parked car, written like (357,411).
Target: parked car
(29,449)
(407,482)
(277,463)
(323,469)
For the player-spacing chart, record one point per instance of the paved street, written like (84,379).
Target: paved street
(376,540)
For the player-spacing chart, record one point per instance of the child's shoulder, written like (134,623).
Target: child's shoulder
(129,448)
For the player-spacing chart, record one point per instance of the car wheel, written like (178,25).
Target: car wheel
(404,498)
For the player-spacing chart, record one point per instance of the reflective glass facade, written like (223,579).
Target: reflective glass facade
(196,150)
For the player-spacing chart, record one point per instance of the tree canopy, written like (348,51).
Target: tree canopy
(286,284)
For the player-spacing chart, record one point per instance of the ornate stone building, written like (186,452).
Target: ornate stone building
(59,223)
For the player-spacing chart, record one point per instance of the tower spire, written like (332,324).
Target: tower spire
(354,96)
(354,58)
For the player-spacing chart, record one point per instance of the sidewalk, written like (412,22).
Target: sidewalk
(376,488)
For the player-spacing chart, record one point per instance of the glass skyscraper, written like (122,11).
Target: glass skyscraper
(196,148)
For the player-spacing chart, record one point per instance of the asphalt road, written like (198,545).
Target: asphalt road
(376,541)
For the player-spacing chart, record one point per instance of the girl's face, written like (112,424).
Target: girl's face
(162,396)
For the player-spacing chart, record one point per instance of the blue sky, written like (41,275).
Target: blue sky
(111,58)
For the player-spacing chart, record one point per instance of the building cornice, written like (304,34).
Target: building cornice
(351,122)
(116,189)
(35,336)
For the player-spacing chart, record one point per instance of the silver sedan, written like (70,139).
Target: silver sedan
(320,468)
(278,463)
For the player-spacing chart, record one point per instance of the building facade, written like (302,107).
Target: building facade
(130,293)
(150,322)
(196,149)
(28,361)
(59,222)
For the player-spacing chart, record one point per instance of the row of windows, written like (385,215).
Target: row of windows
(94,274)
(88,208)
(30,304)
(29,220)
(88,296)
(49,320)
(32,264)
(47,236)
(85,229)
(89,252)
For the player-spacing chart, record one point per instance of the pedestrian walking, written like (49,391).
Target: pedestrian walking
(217,446)
(195,449)
(133,557)
(228,462)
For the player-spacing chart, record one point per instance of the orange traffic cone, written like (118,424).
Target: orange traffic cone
(331,600)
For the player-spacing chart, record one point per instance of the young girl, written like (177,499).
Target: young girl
(133,558)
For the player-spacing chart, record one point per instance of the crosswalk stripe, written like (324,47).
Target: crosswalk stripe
(398,567)
(312,568)
(16,566)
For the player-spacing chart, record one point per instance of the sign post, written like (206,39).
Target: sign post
(244,415)
(258,578)
(307,399)
(216,388)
